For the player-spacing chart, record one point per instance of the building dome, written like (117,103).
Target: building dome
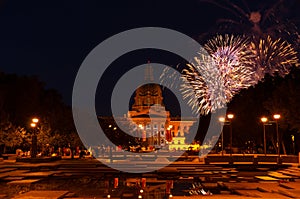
(149,89)
(147,95)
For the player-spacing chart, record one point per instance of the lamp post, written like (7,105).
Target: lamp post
(169,130)
(230,117)
(293,142)
(222,120)
(264,120)
(141,126)
(227,122)
(34,138)
(276,118)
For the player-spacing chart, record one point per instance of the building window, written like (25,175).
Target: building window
(155,126)
(148,126)
(162,126)
(178,141)
(148,101)
(134,126)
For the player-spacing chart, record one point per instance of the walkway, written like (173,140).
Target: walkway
(87,179)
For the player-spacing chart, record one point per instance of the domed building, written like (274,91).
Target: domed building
(153,122)
(146,96)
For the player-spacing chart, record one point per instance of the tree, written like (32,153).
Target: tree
(285,101)
(21,99)
(11,136)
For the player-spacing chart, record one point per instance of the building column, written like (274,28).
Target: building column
(181,131)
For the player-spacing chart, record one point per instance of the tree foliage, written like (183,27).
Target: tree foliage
(21,99)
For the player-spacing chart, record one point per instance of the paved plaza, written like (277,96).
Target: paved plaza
(88,178)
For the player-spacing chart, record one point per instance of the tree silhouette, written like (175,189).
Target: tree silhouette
(21,99)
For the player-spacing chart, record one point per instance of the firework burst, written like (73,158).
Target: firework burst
(233,63)
(273,57)
(234,59)
(203,86)
(209,84)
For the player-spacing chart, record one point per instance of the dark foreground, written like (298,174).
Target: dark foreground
(88,178)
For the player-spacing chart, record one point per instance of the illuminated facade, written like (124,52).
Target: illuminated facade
(152,122)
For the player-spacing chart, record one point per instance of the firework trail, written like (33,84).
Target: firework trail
(273,57)
(257,20)
(169,78)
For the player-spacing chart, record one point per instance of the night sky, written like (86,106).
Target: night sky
(50,39)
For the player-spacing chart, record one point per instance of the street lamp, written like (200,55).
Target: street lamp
(168,136)
(222,120)
(230,117)
(34,137)
(35,120)
(276,118)
(226,121)
(264,121)
(143,132)
(293,142)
